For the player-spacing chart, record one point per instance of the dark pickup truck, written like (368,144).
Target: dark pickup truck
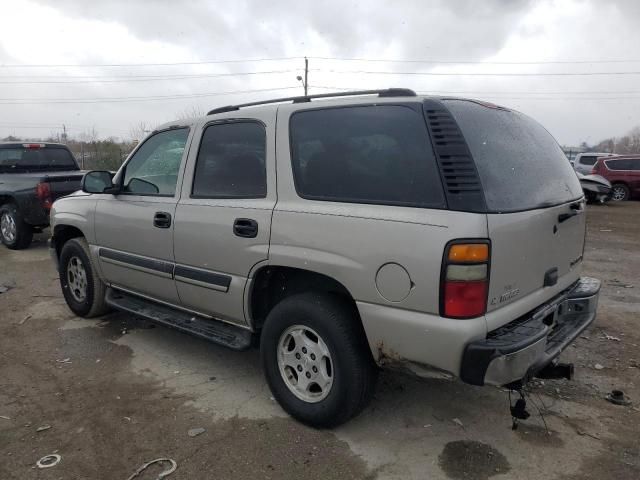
(32,177)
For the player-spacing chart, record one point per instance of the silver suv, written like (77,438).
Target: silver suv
(381,228)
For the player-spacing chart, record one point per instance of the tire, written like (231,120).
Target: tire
(15,233)
(83,290)
(349,364)
(590,197)
(619,192)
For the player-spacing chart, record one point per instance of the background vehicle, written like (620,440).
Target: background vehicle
(624,174)
(402,230)
(584,162)
(595,188)
(32,177)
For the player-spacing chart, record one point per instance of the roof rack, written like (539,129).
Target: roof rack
(388,92)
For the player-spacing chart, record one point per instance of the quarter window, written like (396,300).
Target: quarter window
(231,162)
(153,170)
(370,154)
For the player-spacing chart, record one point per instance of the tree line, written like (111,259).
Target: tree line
(626,144)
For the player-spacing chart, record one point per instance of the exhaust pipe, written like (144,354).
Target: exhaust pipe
(556,370)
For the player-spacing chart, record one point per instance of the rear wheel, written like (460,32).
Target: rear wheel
(14,232)
(83,290)
(619,192)
(316,359)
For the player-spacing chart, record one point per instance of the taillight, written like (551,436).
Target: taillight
(43,193)
(465,279)
(33,146)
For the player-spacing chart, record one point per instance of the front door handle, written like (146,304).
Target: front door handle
(162,220)
(245,227)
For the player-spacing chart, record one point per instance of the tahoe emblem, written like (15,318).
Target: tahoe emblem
(506,296)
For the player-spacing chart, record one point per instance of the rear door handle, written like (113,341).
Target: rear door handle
(245,227)
(162,220)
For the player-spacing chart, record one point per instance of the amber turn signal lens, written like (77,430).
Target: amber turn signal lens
(469,252)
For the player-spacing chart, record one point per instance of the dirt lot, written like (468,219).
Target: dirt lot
(117,393)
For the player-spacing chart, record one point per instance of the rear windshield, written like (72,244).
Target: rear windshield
(21,159)
(520,164)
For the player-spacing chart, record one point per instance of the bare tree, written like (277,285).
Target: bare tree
(140,130)
(190,112)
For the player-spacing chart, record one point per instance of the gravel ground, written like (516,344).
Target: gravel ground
(117,393)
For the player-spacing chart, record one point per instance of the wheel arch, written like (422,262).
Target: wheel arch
(271,284)
(62,234)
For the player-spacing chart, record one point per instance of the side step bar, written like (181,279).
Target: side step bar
(216,331)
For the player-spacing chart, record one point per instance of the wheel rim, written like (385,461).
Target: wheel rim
(618,193)
(77,279)
(305,363)
(8,227)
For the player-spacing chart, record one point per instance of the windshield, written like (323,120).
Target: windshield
(22,159)
(520,164)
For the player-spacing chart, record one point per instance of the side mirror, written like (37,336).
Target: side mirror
(97,181)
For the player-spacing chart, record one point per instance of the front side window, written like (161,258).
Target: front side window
(370,154)
(153,170)
(231,162)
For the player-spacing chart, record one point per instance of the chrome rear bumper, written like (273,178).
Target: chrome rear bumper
(519,349)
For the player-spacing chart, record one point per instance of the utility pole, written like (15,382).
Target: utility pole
(306,76)
(64,133)
(305,80)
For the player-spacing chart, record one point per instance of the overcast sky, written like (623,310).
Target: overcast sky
(493,37)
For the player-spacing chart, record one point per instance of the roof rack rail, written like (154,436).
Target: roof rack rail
(388,92)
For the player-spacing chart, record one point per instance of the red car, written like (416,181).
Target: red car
(624,174)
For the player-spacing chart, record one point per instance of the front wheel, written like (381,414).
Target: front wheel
(15,233)
(316,359)
(83,290)
(619,192)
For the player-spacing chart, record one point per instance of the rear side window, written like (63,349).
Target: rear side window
(370,154)
(36,158)
(588,160)
(231,162)
(520,164)
(623,164)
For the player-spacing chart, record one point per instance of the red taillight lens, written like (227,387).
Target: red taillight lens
(465,299)
(465,279)
(43,193)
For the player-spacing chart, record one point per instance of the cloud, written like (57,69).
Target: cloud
(125,31)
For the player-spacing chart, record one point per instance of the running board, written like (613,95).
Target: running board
(210,329)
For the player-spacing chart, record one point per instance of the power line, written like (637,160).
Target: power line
(435,92)
(502,92)
(476,62)
(148,78)
(340,59)
(38,101)
(168,64)
(475,74)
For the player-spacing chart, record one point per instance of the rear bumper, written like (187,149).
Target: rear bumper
(519,349)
